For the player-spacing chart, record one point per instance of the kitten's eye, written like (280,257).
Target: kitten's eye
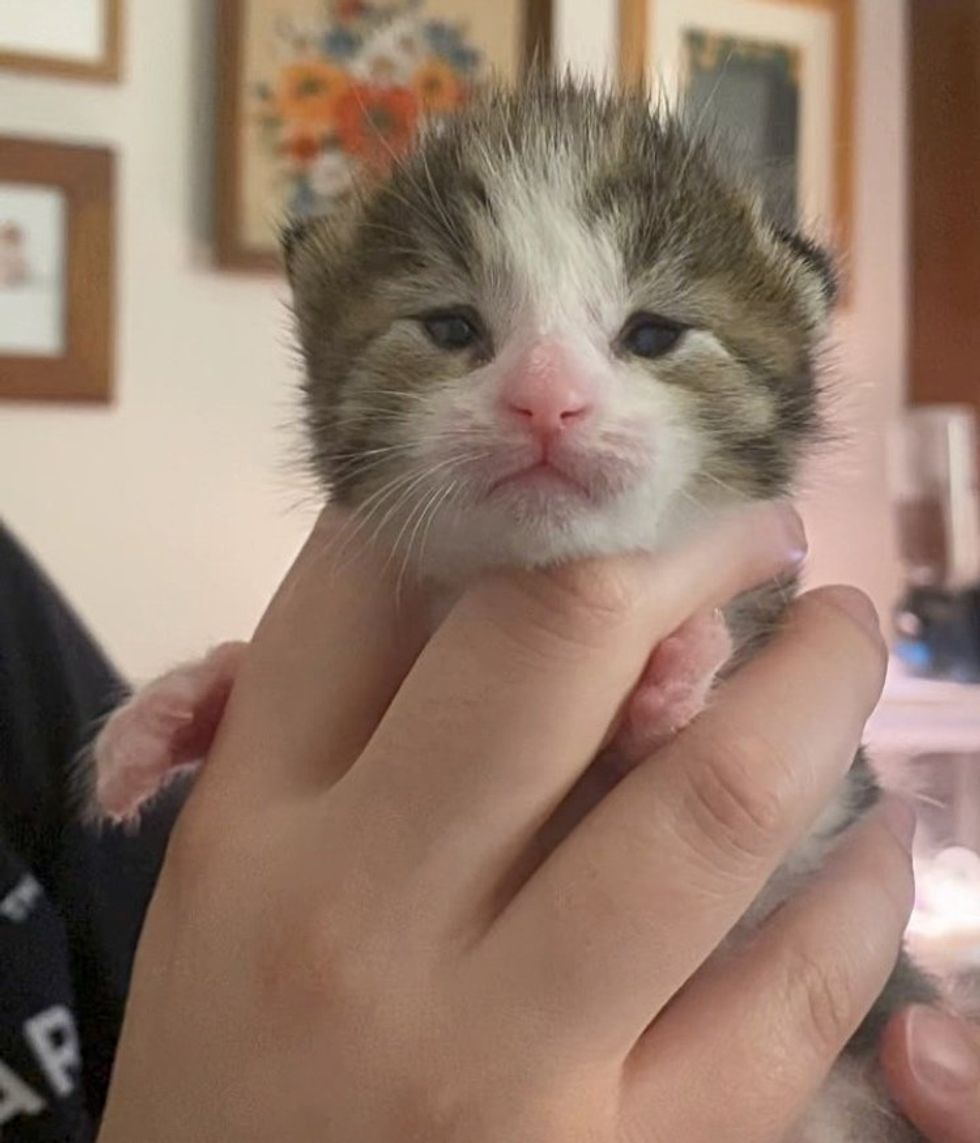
(646,335)
(451,330)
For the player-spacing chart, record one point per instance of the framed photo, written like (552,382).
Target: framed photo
(56,272)
(311,91)
(77,39)
(775,78)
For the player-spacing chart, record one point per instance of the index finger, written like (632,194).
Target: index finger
(328,654)
(693,835)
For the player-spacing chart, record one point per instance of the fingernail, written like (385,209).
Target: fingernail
(794,535)
(899,817)
(857,605)
(941,1054)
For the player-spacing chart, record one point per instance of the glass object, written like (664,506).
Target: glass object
(937,491)
(935,483)
(944,932)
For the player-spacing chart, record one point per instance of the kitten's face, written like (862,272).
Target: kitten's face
(556,331)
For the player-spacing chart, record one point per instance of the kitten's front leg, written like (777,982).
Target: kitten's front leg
(164,728)
(674,687)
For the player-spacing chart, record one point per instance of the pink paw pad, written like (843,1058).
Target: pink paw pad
(164,728)
(674,687)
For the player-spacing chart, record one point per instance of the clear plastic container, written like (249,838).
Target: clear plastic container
(936,486)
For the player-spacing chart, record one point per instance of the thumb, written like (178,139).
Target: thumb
(931,1062)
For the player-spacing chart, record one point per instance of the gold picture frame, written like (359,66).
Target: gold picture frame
(105,68)
(57,271)
(834,74)
(264,95)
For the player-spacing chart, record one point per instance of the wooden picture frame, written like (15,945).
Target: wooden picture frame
(638,30)
(232,249)
(78,364)
(107,68)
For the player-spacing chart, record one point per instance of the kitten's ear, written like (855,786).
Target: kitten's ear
(312,243)
(817,259)
(814,272)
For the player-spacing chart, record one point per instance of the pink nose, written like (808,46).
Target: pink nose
(546,391)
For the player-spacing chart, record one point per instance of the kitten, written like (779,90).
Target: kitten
(558,328)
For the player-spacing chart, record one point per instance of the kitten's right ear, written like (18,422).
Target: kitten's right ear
(312,243)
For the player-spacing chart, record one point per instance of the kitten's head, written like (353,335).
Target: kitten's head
(557,329)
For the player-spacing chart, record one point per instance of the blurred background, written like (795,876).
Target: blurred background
(147,429)
(170,513)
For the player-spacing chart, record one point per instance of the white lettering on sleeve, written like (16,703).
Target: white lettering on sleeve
(16,1097)
(19,903)
(54,1041)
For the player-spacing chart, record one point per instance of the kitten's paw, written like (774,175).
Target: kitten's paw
(165,727)
(674,687)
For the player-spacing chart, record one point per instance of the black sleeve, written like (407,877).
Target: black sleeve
(72,899)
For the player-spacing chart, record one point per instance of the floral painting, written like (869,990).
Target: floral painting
(324,89)
(32,257)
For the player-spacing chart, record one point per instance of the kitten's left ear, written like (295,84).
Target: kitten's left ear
(817,259)
(812,269)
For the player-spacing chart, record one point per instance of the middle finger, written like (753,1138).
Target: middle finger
(664,867)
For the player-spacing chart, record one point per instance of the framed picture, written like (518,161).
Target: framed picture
(56,271)
(775,78)
(79,39)
(312,91)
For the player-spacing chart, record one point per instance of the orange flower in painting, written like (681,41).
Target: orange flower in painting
(302,148)
(374,123)
(437,86)
(349,9)
(309,93)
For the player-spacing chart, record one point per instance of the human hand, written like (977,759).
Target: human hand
(364,929)
(931,1062)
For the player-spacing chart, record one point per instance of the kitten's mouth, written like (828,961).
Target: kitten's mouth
(541,476)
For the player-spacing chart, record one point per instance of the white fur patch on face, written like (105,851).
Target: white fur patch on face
(548,272)
(549,279)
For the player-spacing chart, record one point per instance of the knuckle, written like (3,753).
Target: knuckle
(822,994)
(308,961)
(576,606)
(592,595)
(737,794)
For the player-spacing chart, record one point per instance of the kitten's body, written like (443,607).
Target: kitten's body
(558,330)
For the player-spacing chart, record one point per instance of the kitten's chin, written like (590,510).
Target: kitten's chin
(467,541)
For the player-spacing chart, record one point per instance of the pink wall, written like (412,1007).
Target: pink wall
(852,533)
